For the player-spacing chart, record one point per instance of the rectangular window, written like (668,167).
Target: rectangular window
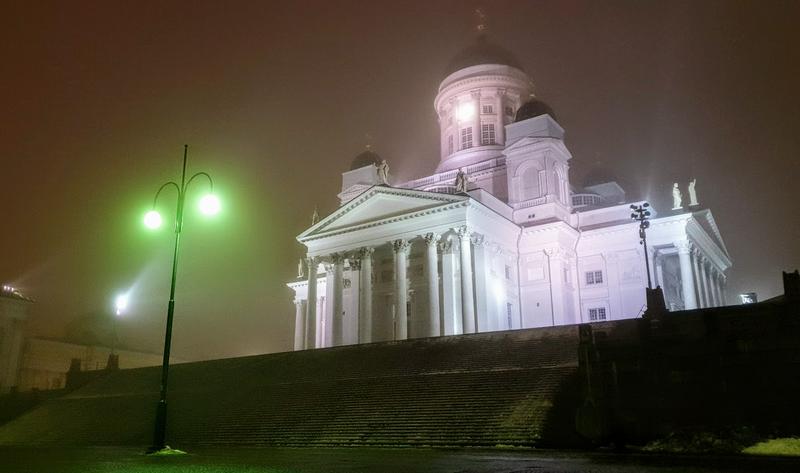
(596,314)
(509,310)
(488,109)
(450,144)
(594,277)
(466,137)
(487,134)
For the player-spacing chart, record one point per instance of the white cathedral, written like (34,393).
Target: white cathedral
(497,238)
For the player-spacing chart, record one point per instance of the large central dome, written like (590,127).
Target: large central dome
(481,52)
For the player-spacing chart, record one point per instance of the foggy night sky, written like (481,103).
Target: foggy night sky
(275,100)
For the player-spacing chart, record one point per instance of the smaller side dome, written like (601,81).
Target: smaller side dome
(534,108)
(366,158)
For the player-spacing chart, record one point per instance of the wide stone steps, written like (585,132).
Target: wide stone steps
(482,389)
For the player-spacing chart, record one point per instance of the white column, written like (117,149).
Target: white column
(500,132)
(401,248)
(698,280)
(451,323)
(352,325)
(299,326)
(480,271)
(715,287)
(476,131)
(326,327)
(311,304)
(706,281)
(432,269)
(657,260)
(337,318)
(712,285)
(467,301)
(687,278)
(365,305)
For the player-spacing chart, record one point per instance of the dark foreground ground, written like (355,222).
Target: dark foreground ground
(240,460)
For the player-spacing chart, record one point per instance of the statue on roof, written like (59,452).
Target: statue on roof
(462,182)
(300,273)
(677,198)
(693,193)
(383,172)
(314,217)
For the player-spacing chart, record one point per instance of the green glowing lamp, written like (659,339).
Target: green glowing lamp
(152,219)
(209,204)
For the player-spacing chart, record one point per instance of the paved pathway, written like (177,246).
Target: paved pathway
(244,460)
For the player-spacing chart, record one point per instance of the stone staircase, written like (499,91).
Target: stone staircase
(502,388)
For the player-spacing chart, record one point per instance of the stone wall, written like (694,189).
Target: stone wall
(712,370)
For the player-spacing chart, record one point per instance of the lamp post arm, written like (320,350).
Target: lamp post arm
(198,174)
(163,186)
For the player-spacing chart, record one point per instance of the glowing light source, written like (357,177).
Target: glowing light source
(121,303)
(209,204)
(465,111)
(152,219)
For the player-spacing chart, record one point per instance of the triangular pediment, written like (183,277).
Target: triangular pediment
(381,203)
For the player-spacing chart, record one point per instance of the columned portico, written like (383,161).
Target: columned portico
(401,248)
(467,297)
(687,278)
(432,270)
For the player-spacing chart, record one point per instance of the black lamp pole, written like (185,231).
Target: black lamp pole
(159,435)
(642,215)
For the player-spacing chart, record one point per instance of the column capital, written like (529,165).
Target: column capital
(401,246)
(477,239)
(684,246)
(355,264)
(462,232)
(432,238)
(556,252)
(446,245)
(337,258)
(366,252)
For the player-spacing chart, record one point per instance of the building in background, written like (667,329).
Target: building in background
(45,363)
(498,237)
(13,314)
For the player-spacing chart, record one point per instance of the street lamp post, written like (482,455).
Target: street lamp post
(209,204)
(642,215)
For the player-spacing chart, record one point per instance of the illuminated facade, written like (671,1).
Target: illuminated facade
(520,247)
